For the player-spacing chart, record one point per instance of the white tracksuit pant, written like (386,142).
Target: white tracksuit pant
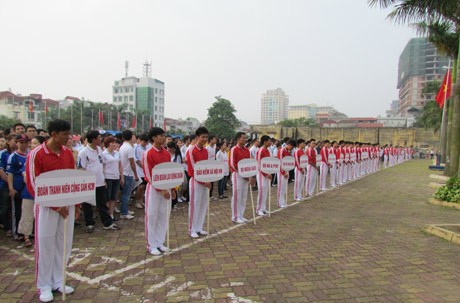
(49,246)
(333,175)
(156,217)
(323,175)
(263,184)
(310,180)
(298,184)
(344,172)
(282,188)
(198,206)
(239,197)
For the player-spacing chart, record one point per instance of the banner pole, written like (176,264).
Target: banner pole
(252,201)
(64,263)
(209,205)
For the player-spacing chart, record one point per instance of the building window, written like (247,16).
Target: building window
(156,117)
(120,99)
(156,99)
(115,99)
(156,90)
(156,108)
(115,91)
(131,98)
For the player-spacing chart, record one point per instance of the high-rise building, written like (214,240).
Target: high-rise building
(274,106)
(419,63)
(144,96)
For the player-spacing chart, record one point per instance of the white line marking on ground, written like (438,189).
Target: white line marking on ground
(179,289)
(19,253)
(160,285)
(235,299)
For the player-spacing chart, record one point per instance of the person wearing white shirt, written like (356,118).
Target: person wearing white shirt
(222,156)
(91,159)
(129,172)
(211,148)
(113,172)
(139,151)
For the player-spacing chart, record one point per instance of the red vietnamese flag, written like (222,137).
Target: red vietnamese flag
(101,118)
(134,123)
(118,121)
(444,91)
(31,107)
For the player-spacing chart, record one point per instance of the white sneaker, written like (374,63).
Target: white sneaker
(245,220)
(130,212)
(194,235)
(282,206)
(203,233)
(260,213)
(46,296)
(139,205)
(126,217)
(155,252)
(298,200)
(163,248)
(68,290)
(239,221)
(115,209)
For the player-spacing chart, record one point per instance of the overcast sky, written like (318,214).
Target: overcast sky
(328,52)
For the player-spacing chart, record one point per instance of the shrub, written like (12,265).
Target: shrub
(449,192)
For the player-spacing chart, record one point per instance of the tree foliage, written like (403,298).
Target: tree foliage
(431,115)
(6,122)
(298,122)
(221,120)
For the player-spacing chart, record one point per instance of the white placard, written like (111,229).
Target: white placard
(319,158)
(209,171)
(365,155)
(303,161)
(287,163)
(353,157)
(65,187)
(270,165)
(332,158)
(167,175)
(247,168)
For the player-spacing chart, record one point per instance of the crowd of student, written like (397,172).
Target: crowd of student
(123,165)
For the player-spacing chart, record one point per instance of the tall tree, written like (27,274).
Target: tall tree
(299,122)
(221,120)
(440,20)
(6,122)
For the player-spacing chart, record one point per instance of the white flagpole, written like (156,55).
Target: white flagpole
(168,217)
(252,201)
(209,205)
(64,263)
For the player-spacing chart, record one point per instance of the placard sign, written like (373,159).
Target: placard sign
(167,175)
(331,158)
(65,187)
(270,165)
(365,155)
(319,158)
(353,157)
(247,168)
(209,171)
(287,163)
(303,161)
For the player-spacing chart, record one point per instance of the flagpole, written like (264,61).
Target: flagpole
(443,138)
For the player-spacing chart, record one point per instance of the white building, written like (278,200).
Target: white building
(274,106)
(146,95)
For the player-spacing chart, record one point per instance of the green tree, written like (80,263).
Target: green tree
(221,120)
(298,122)
(431,116)
(440,20)
(6,122)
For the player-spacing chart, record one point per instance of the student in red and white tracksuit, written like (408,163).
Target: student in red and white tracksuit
(299,179)
(49,221)
(312,169)
(283,176)
(156,200)
(324,168)
(334,151)
(198,205)
(263,179)
(240,185)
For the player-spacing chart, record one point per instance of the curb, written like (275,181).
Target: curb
(437,230)
(444,203)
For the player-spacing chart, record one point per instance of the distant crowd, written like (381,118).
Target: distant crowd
(123,164)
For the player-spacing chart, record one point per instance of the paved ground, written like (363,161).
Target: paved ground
(363,242)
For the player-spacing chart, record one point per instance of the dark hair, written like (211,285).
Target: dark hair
(326,141)
(91,135)
(6,131)
(58,125)
(291,142)
(144,137)
(171,145)
(312,140)
(239,135)
(40,139)
(31,126)
(127,135)
(286,139)
(333,142)
(300,141)
(109,140)
(211,137)
(192,137)
(201,131)
(264,138)
(155,131)
(18,124)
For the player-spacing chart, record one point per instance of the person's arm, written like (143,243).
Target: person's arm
(10,186)
(133,167)
(122,177)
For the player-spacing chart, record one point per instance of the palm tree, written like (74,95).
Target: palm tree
(440,20)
